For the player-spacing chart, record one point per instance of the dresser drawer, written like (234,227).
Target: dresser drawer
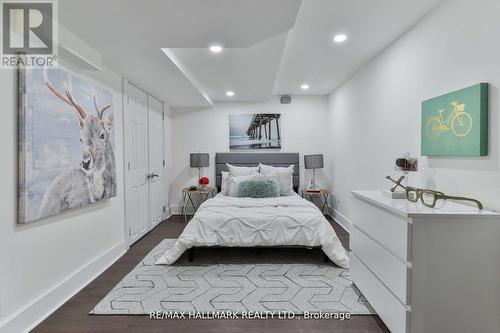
(392,231)
(389,269)
(392,312)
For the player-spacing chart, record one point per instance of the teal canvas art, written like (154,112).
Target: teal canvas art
(456,124)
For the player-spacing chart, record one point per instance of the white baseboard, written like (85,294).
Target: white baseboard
(341,219)
(167,213)
(42,307)
(176,210)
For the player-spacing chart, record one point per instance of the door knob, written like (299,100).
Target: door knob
(151,175)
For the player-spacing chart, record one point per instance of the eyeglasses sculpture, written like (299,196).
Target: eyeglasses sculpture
(428,197)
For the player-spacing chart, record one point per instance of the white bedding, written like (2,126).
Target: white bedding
(247,222)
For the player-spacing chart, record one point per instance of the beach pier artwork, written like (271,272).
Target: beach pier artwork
(255,131)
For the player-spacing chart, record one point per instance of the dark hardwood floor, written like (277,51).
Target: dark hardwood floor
(73,316)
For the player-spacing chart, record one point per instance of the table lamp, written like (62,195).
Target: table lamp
(199,160)
(313,162)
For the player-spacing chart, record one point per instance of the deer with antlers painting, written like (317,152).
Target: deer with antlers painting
(94,178)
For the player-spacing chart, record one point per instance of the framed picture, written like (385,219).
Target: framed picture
(255,131)
(456,124)
(66,143)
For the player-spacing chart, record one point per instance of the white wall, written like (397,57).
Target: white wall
(44,262)
(375,115)
(303,129)
(169,157)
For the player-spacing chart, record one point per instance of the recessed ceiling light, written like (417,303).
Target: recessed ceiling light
(229,93)
(216,48)
(304,86)
(340,38)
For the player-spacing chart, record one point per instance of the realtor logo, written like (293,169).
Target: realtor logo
(29,33)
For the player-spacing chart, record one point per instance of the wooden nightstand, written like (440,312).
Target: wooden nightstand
(323,194)
(187,199)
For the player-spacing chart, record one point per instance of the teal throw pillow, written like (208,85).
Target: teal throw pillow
(263,188)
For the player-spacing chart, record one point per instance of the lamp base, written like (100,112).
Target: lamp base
(313,187)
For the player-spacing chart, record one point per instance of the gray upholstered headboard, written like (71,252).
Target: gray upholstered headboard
(253,159)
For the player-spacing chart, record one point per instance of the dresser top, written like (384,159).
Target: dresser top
(406,208)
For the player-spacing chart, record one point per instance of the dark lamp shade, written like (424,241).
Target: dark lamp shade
(313,161)
(199,160)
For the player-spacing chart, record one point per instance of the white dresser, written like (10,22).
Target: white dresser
(427,270)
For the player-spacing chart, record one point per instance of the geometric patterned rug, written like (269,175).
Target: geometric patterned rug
(268,282)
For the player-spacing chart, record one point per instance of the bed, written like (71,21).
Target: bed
(287,221)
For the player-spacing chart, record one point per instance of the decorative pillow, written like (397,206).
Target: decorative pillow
(284,175)
(224,185)
(262,188)
(234,182)
(235,171)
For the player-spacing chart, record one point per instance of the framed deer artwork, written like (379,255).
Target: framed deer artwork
(65,142)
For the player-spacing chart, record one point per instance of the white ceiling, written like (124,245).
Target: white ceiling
(249,72)
(130,34)
(270,46)
(310,54)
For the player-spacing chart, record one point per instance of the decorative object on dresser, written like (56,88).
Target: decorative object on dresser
(429,198)
(405,164)
(199,160)
(255,131)
(194,197)
(313,162)
(425,269)
(319,193)
(397,183)
(456,124)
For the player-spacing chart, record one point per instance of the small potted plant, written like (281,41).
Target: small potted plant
(203,182)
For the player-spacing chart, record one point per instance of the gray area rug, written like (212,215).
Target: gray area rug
(295,280)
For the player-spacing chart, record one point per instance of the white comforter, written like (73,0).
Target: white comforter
(247,222)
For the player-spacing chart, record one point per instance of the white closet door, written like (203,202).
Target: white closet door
(156,180)
(137,163)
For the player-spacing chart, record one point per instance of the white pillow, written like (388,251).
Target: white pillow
(235,171)
(284,175)
(224,185)
(234,182)
(273,175)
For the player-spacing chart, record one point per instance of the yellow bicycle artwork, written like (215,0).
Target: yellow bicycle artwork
(458,121)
